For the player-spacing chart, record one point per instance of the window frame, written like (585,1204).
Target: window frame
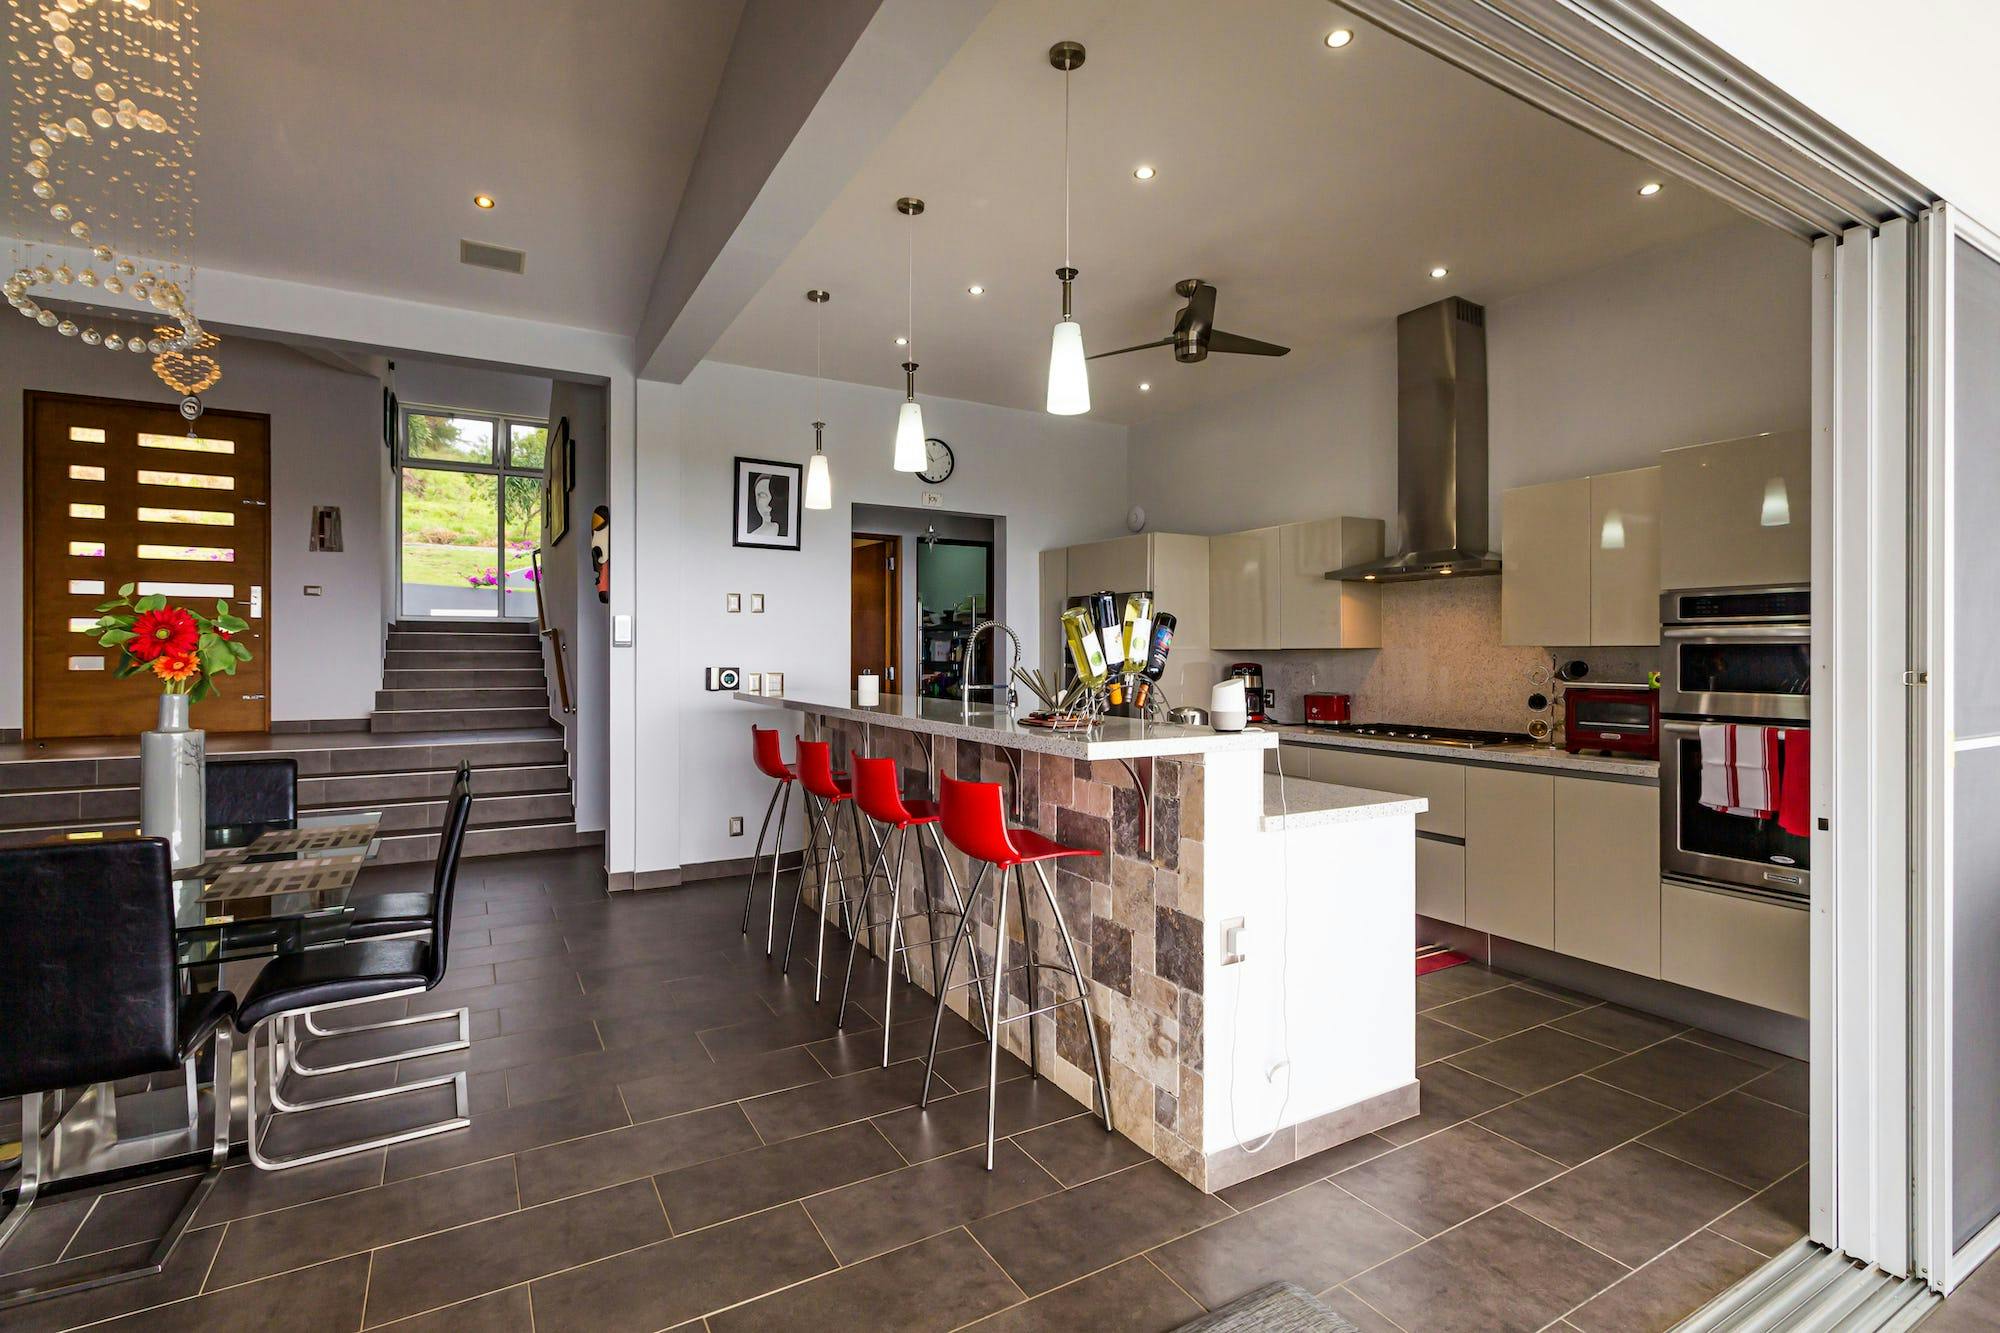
(503,424)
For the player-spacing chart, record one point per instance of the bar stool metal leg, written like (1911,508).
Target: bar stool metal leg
(750,880)
(950,960)
(1028,953)
(895,941)
(993,1022)
(959,903)
(868,928)
(809,858)
(777,853)
(1083,990)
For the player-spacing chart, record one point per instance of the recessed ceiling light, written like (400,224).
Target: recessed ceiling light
(976,289)
(482,201)
(1439,271)
(1649,189)
(1142,173)
(902,342)
(1145,387)
(1339,37)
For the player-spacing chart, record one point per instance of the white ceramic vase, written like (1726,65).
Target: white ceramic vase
(171,793)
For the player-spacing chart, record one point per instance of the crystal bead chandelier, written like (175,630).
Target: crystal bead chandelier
(104,98)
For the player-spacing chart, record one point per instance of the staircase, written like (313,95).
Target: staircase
(461,676)
(444,700)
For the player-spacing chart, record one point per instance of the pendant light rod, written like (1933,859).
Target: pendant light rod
(819,475)
(1069,379)
(1066,56)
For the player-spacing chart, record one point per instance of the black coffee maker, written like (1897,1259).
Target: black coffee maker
(1253,689)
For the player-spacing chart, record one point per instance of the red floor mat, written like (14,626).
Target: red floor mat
(1435,958)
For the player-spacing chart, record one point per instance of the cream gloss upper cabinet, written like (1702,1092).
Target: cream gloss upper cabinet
(1243,589)
(1173,566)
(1582,561)
(1268,587)
(1545,564)
(1737,513)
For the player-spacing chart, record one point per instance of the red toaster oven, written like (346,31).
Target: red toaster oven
(1617,719)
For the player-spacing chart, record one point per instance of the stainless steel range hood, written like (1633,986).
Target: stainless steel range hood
(1441,494)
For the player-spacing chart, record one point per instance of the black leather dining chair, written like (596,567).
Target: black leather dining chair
(91,994)
(382,916)
(299,985)
(250,791)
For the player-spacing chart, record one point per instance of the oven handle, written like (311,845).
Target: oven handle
(1730,633)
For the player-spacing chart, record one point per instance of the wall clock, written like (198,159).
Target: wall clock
(938,462)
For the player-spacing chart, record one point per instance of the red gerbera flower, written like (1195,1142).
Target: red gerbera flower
(168,630)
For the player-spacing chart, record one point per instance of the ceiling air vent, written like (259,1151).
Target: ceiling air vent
(480,255)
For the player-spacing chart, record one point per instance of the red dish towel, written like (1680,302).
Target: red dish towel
(1795,784)
(1739,769)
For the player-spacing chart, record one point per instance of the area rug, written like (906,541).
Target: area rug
(1436,958)
(1280,1307)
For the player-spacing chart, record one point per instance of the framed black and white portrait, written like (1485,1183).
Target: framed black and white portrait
(767,504)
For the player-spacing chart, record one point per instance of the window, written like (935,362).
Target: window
(470,518)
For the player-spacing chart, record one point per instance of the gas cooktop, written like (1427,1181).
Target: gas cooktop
(1462,737)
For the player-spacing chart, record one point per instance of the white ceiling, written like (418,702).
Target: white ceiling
(1315,188)
(341,144)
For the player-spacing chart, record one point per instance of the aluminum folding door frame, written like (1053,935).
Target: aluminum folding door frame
(1954,1166)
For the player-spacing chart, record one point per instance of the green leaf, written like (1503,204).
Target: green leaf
(130,666)
(117,636)
(240,651)
(232,624)
(221,608)
(200,691)
(127,590)
(153,603)
(111,606)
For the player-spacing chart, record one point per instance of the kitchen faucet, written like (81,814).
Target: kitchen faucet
(1000,678)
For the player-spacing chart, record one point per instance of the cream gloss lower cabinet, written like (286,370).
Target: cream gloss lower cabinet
(1510,854)
(1607,873)
(1746,948)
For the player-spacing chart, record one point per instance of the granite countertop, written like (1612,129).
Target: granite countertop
(1513,756)
(1292,803)
(1111,738)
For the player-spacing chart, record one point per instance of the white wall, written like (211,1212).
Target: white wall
(1914,82)
(326,448)
(1697,341)
(570,594)
(1058,480)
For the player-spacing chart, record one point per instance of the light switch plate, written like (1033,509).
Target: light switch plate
(774,682)
(621,631)
(312,590)
(756,603)
(753,682)
(1233,941)
(736,826)
(732,602)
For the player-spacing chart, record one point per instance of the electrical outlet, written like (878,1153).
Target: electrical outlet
(732,602)
(1233,941)
(736,826)
(312,589)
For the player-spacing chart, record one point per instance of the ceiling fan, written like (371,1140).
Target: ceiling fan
(1195,334)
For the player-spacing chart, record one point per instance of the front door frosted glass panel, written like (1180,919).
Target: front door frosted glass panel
(1976,771)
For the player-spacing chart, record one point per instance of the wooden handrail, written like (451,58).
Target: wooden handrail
(553,635)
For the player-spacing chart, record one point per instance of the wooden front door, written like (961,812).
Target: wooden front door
(878,604)
(122,493)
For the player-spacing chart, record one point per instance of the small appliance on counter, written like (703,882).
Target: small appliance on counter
(1228,704)
(1613,719)
(1322,709)
(1254,700)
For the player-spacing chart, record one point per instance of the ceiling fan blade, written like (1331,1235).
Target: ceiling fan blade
(1218,341)
(1158,342)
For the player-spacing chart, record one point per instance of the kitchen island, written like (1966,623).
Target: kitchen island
(1307,1041)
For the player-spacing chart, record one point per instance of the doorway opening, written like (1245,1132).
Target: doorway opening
(876,636)
(469,514)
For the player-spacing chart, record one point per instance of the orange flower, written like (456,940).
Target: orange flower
(175,668)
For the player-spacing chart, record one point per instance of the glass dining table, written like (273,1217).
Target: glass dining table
(261,890)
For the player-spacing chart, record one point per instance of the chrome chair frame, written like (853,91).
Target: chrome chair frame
(783,808)
(278,1062)
(828,876)
(29,1181)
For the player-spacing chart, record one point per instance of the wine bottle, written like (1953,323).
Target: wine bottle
(1110,631)
(1156,656)
(1086,648)
(1137,633)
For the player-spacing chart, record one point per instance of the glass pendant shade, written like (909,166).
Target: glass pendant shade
(819,476)
(1069,381)
(911,453)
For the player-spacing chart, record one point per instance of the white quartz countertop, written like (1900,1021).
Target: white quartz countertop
(1293,803)
(1513,756)
(1111,738)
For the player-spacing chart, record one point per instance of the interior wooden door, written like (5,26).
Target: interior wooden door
(122,492)
(876,637)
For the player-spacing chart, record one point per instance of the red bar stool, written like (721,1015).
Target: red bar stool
(770,760)
(975,821)
(825,792)
(879,794)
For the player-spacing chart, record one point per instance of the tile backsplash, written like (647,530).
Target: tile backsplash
(1441,662)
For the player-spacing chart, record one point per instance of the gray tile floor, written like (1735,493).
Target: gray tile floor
(668,1133)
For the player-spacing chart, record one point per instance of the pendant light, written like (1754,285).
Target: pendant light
(912,454)
(1069,381)
(819,477)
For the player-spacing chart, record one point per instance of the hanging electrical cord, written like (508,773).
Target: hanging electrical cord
(1284,989)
